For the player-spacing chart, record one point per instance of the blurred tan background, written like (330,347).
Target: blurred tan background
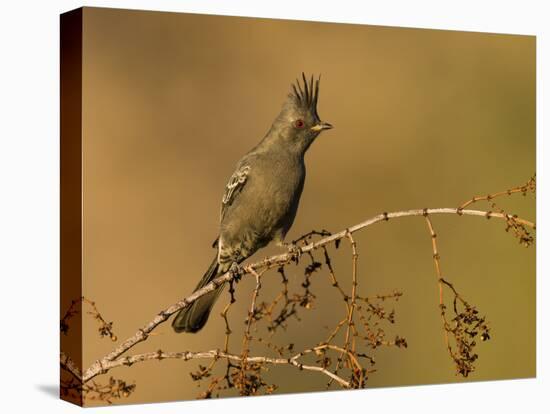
(422,118)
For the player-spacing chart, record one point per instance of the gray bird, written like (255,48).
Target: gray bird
(261,198)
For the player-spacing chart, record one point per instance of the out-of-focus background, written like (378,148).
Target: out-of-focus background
(423,118)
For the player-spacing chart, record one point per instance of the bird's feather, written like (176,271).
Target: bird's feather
(234,186)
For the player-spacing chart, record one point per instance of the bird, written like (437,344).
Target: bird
(261,198)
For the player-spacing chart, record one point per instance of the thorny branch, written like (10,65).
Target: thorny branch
(362,317)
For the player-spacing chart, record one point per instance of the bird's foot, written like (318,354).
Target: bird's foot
(236,270)
(293,250)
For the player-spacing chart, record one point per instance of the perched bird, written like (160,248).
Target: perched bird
(261,198)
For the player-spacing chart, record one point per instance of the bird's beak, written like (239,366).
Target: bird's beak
(321,126)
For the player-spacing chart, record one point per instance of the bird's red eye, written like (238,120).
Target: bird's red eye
(299,123)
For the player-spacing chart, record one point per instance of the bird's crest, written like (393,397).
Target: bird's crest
(306,95)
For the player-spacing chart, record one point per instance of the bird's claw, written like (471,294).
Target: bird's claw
(236,270)
(293,250)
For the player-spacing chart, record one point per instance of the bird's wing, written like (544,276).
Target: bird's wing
(234,187)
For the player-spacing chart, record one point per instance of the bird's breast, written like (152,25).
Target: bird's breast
(266,205)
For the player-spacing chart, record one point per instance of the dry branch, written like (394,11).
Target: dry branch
(100,366)
(347,353)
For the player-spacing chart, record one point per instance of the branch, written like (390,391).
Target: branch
(103,365)
(217,354)
(523,189)
(68,365)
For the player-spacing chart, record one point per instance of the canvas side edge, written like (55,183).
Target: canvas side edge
(71,197)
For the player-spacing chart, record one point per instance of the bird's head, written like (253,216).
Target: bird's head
(299,124)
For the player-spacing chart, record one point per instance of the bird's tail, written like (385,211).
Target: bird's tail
(194,317)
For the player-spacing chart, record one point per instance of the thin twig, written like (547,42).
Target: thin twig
(249,321)
(437,264)
(529,186)
(351,306)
